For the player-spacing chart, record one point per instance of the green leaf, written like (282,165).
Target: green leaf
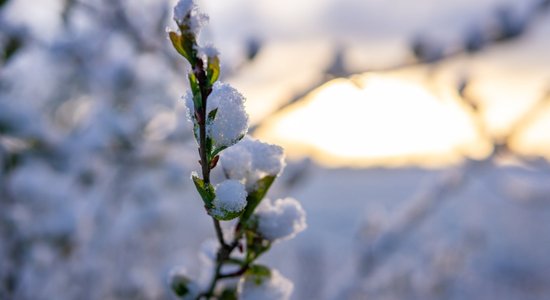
(13,44)
(228,294)
(255,244)
(195,89)
(213,69)
(205,190)
(224,215)
(258,273)
(209,143)
(176,40)
(259,270)
(180,285)
(196,132)
(184,44)
(218,150)
(212,115)
(255,197)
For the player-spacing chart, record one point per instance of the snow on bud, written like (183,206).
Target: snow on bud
(230,199)
(231,121)
(182,8)
(281,219)
(209,51)
(274,287)
(237,162)
(266,158)
(186,13)
(250,160)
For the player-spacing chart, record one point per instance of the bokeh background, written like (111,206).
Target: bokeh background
(417,136)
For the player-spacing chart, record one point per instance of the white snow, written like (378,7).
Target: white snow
(182,9)
(230,196)
(209,50)
(188,8)
(266,158)
(189,105)
(250,160)
(276,287)
(236,162)
(281,219)
(231,120)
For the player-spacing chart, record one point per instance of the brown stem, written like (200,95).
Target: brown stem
(219,233)
(237,273)
(198,70)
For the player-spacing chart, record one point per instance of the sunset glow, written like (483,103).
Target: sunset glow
(380,120)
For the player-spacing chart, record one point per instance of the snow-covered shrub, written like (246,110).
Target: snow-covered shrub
(220,124)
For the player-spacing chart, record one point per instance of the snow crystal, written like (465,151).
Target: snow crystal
(250,160)
(188,8)
(276,287)
(282,219)
(189,105)
(231,121)
(209,51)
(230,196)
(237,162)
(266,158)
(183,8)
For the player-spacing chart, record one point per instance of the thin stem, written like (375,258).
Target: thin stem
(237,273)
(224,254)
(214,282)
(219,233)
(201,77)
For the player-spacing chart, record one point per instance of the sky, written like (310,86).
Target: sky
(408,116)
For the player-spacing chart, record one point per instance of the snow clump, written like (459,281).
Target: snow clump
(230,197)
(274,287)
(188,9)
(209,51)
(281,219)
(231,121)
(250,160)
